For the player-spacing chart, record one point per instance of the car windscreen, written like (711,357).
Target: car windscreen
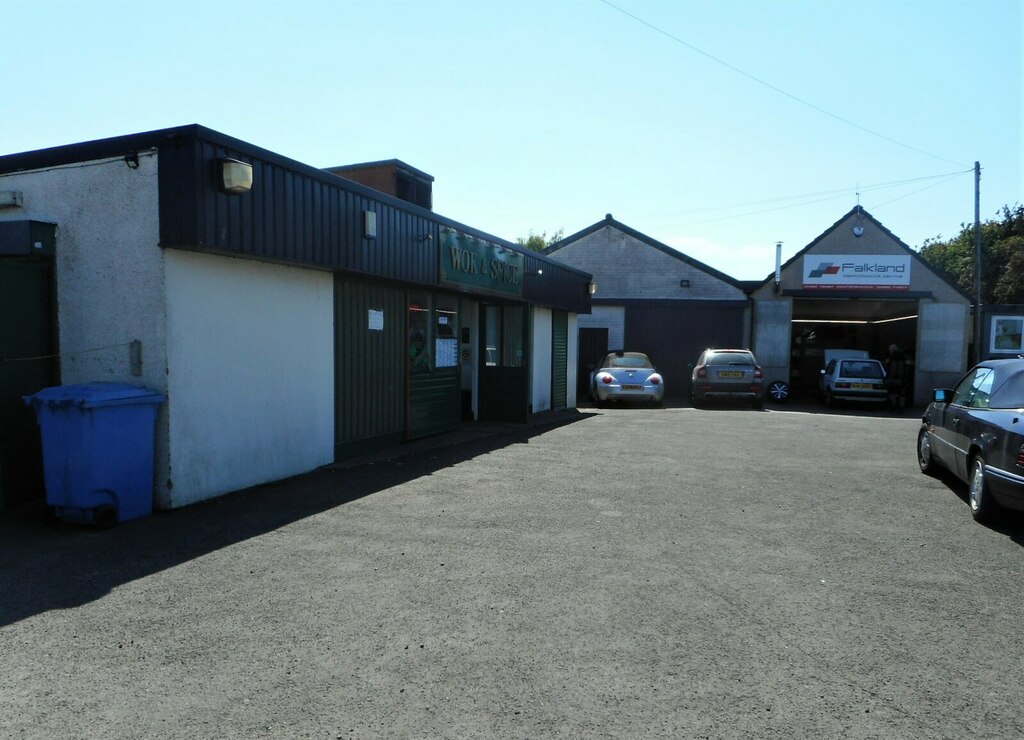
(731,358)
(1009,394)
(631,360)
(861,369)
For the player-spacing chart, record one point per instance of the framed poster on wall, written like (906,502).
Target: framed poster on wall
(1007,334)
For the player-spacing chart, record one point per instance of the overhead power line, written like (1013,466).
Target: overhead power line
(774,88)
(820,194)
(820,198)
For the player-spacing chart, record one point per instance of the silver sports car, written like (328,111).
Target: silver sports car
(626,376)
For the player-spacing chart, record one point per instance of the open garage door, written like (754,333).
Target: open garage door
(865,324)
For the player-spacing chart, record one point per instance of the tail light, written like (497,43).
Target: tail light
(1020,457)
(842,385)
(655,380)
(758,372)
(702,371)
(606,378)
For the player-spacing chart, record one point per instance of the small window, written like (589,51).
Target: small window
(980,379)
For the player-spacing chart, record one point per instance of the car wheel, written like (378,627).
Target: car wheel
(778,391)
(829,400)
(983,506)
(924,454)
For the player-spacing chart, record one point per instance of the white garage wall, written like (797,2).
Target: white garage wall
(611,317)
(250,373)
(541,386)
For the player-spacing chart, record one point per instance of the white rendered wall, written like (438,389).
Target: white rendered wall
(250,373)
(109,267)
(109,271)
(611,317)
(540,398)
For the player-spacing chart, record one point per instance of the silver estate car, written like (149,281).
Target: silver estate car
(727,374)
(626,376)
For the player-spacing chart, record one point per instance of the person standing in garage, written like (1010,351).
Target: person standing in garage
(896,378)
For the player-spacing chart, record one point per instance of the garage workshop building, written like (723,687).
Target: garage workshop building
(291,315)
(653,299)
(857,286)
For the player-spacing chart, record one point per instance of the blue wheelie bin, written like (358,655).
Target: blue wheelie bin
(98,441)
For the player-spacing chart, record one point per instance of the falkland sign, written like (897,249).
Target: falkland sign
(856,272)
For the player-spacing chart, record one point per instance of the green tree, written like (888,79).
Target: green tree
(1002,257)
(540,241)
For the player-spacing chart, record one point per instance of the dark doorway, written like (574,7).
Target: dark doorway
(27,365)
(593,346)
(504,387)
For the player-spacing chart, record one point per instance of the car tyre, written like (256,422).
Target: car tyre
(925,461)
(778,391)
(829,400)
(983,507)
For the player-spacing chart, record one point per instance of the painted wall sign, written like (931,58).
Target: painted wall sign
(468,262)
(856,272)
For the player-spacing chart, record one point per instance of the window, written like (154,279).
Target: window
(1007,334)
(433,332)
(975,389)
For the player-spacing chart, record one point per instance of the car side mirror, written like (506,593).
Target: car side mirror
(943,395)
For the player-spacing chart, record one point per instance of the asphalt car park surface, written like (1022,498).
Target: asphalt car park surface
(622,573)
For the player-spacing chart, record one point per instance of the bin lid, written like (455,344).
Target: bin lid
(94,395)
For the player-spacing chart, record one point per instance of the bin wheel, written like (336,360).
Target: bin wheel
(104,517)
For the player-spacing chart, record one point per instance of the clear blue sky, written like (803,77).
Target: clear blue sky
(547,114)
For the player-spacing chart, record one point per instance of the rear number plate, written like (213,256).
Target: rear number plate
(632,387)
(730,374)
(862,386)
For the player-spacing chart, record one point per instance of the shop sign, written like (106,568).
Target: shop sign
(856,272)
(468,262)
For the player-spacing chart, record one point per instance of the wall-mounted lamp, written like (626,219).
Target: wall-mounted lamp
(236,176)
(684,283)
(538,272)
(370,224)
(591,288)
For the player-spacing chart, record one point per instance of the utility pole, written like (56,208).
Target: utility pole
(977,262)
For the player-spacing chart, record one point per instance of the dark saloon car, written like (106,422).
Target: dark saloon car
(727,374)
(976,431)
(626,376)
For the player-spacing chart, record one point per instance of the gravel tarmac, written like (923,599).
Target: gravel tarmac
(623,573)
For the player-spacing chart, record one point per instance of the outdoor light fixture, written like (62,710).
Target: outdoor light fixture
(684,283)
(236,176)
(370,224)
(591,287)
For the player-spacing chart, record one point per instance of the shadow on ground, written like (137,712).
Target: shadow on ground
(47,565)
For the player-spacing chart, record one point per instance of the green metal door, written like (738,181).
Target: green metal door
(27,365)
(369,349)
(559,359)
